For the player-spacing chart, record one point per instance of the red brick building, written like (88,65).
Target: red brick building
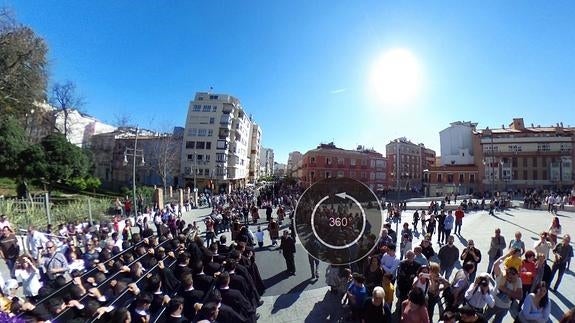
(327,160)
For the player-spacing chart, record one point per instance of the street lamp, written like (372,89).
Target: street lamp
(135,153)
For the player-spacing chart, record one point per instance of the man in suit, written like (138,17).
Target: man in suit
(234,298)
(287,247)
(191,296)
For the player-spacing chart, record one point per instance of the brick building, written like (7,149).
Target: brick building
(327,160)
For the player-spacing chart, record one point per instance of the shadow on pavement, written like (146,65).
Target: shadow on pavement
(288,299)
(269,282)
(328,309)
(461,239)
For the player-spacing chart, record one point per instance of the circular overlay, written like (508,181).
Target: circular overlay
(338,220)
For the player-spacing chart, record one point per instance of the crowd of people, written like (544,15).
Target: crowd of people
(422,280)
(113,272)
(155,267)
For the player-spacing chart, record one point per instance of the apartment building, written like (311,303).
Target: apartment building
(517,156)
(294,163)
(327,160)
(406,163)
(267,162)
(255,151)
(218,142)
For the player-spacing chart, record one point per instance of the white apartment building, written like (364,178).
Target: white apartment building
(267,162)
(457,143)
(216,149)
(255,149)
(294,162)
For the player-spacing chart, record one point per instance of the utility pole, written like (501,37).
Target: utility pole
(135,153)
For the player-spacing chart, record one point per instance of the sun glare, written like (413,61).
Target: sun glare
(396,77)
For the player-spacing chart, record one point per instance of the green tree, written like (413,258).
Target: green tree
(23,68)
(56,161)
(12,143)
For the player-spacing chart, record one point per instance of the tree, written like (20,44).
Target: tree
(64,98)
(23,68)
(12,143)
(165,157)
(55,160)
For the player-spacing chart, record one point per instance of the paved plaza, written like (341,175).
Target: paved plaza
(301,299)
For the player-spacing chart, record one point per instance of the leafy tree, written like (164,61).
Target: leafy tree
(23,68)
(64,161)
(12,143)
(33,163)
(92,183)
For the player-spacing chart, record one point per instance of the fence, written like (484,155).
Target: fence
(41,210)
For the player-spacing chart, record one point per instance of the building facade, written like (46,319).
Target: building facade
(255,150)
(157,157)
(293,164)
(267,162)
(217,143)
(517,157)
(406,162)
(327,160)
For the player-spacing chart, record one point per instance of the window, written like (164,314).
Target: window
(210,132)
(207,172)
(472,178)
(525,163)
(212,120)
(312,160)
(199,171)
(202,132)
(214,108)
(312,175)
(515,175)
(363,162)
(534,161)
(535,175)
(544,162)
(200,158)
(525,175)
(352,162)
(213,97)
(461,178)
(221,144)
(200,145)
(439,178)
(207,158)
(514,162)
(220,157)
(339,173)
(544,175)
(379,175)
(190,144)
(450,178)
(327,174)
(207,108)
(197,108)
(328,161)
(192,132)
(543,147)
(191,157)
(208,145)
(340,162)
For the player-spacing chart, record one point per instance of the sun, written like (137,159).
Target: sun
(396,77)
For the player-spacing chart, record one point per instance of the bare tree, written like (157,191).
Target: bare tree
(65,99)
(165,157)
(122,120)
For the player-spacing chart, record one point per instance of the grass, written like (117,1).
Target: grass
(23,214)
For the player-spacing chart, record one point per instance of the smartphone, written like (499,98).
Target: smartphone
(426,275)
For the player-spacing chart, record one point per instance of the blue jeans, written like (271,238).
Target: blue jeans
(11,264)
(446,271)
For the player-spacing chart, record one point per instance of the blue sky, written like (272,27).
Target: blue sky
(302,68)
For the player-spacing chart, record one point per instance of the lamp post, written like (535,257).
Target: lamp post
(135,153)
